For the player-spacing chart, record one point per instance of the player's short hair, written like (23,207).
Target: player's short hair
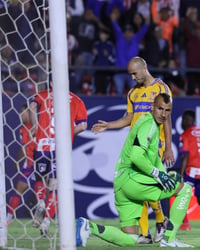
(189,112)
(166,98)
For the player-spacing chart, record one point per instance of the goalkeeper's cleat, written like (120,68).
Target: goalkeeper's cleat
(82,232)
(44,228)
(174,243)
(160,230)
(39,214)
(185,227)
(144,239)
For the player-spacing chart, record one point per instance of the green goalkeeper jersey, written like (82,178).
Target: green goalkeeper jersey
(139,153)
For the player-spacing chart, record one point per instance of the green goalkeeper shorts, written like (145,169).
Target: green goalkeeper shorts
(129,199)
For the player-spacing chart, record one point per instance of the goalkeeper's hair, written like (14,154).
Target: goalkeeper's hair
(166,98)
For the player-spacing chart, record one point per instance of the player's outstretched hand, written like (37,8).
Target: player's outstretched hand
(166,181)
(99,127)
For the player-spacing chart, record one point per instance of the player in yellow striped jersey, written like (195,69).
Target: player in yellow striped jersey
(139,100)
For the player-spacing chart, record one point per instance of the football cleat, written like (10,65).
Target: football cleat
(82,232)
(160,230)
(44,228)
(39,214)
(144,239)
(174,243)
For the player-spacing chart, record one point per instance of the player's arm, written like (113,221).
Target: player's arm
(80,127)
(33,118)
(141,161)
(168,155)
(184,160)
(81,118)
(120,123)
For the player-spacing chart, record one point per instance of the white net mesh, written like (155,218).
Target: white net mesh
(25,63)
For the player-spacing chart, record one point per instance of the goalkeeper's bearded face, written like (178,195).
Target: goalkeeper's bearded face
(161,110)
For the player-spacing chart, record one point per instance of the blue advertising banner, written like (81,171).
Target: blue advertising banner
(93,156)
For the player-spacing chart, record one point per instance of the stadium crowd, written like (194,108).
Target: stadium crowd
(102,37)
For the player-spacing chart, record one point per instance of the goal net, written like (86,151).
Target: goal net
(25,66)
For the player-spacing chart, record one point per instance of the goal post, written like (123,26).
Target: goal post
(58,38)
(3,226)
(25,49)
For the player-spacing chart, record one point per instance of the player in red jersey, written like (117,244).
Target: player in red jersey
(26,177)
(42,117)
(190,156)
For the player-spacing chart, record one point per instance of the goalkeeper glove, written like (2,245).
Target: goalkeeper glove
(176,176)
(167,182)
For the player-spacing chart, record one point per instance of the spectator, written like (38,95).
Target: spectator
(138,21)
(75,10)
(87,34)
(127,46)
(193,59)
(104,55)
(25,36)
(75,7)
(174,79)
(97,7)
(156,50)
(167,20)
(143,8)
(72,44)
(115,4)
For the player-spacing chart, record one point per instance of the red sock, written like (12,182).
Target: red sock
(40,190)
(51,205)
(13,203)
(186,220)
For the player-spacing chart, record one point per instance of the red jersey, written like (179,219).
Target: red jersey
(25,140)
(45,136)
(78,112)
(190,144)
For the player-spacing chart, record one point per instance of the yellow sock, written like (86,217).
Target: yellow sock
(156,206)
(144,220)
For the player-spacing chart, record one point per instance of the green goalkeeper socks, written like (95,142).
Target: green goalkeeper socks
(178,211)
(113,235)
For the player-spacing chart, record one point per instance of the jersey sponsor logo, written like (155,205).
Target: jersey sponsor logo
(142,107)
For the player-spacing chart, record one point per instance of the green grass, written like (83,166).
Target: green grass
(28,237)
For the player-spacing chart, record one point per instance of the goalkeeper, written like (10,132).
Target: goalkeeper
(140,176)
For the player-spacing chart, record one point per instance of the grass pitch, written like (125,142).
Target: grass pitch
(26,237)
